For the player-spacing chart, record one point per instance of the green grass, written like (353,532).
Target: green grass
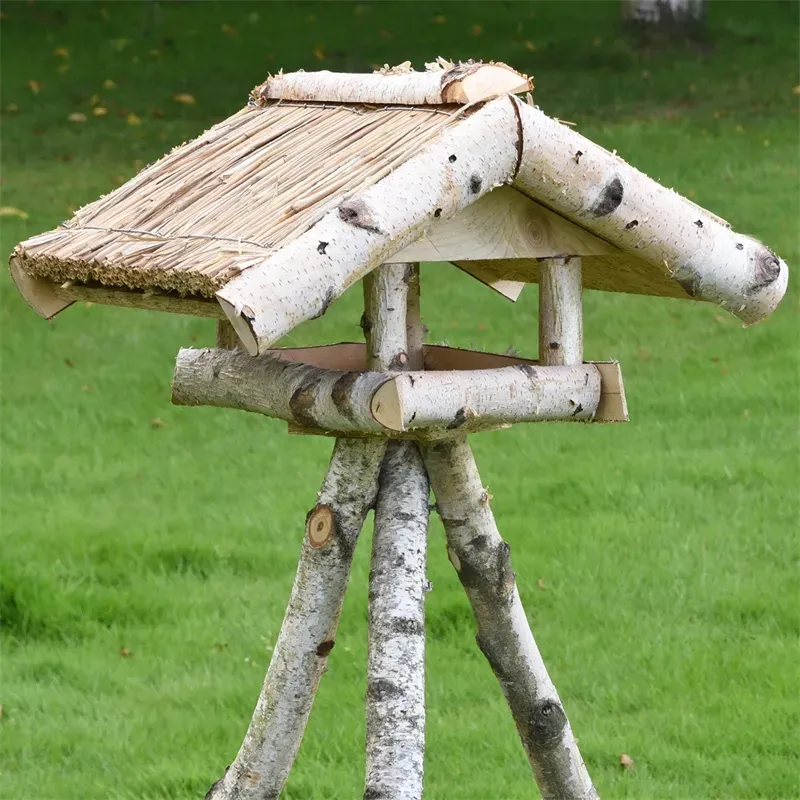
(668,547)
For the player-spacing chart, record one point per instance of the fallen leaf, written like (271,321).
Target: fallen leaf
(61,51)
(158,113)
(715,359)
(643,354)
(645,74)
(530,46)
(220,646)
(157,422)
(540,583)
(77,116)
(724,370)
(192,338)
(124,652)
(184,98)
(109,84)
(132,119)
(319,53)
(10,211)
(1,711)
(62,68)
(87,388)
(692,88)
(68,362)
(597,41)
(385,34)
(766,142)
(796,89)
(11,108)
(626,762)
(481,326)
(99,111)
(477,29)
(440,19)
(229,29)
(35,86)
(746,414)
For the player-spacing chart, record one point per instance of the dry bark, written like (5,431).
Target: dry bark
(482,560)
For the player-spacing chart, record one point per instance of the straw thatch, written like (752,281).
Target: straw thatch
(226,200)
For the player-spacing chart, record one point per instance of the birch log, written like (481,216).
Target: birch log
(395,734)
(482,560)
(462,83)
(560,312)
(396,666)
(607,196)
(303,278)
(309,626)
(378,403)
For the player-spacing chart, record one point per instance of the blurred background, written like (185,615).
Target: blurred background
(148,551)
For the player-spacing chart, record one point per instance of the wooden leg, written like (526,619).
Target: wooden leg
(309,626)
(396,667)
(482,560)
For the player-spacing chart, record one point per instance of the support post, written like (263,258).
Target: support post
(395,730)
(560,312)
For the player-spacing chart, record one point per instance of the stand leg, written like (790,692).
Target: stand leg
(482,560)
(396,668)
(309,625)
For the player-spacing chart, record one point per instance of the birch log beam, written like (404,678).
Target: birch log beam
(482,560)
(462,83)
(378,403)
(303,278)
(308,631)
(601,192)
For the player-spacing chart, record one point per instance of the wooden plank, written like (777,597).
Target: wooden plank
(38,293)
(127,298)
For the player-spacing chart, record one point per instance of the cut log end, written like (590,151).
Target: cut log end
(241,324)
(387,406)
(320,525)
(485,82)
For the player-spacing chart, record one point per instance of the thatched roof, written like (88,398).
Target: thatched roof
(226,200)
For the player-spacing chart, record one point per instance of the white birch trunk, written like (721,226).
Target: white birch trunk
(560,312)
(302,279)
(482,560)
(395,733)
(607,196)
(462,83)
(668,13)
(378,403)
(309,625)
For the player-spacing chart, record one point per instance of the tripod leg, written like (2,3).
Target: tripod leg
(482,560)
(309,625)
(396,667)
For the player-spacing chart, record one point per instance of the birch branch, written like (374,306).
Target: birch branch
(482,560)
(462,83)
(560,312)
(377,403)
(607,196)
(303,278)
(309,626)
(396,667)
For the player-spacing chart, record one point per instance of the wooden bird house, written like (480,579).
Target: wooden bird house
(267,218)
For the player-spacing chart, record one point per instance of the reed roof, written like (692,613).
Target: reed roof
(223,202)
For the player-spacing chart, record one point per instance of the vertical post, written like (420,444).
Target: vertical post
(395,736)
(560,312)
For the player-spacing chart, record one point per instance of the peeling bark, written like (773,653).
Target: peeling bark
(482,560)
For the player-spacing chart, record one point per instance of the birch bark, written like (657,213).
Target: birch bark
(482,560)
(599,191)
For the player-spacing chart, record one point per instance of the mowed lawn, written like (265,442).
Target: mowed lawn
(148,551)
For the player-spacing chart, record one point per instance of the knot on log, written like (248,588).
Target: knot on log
(382,689)
(357,213)
(609,199)
(546,724)
(485,570)
(767,270)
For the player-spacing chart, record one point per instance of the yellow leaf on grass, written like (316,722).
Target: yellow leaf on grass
(229,29)
(477,29)
(626,762)
(440,19)
(11,108)
(61,51)
(319,53)
(109,84)
(133,120)
(796,89)
(62,68)
(77,116)
(530,46)
(10,211)
(184,98)
(99,111)
(35,86)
